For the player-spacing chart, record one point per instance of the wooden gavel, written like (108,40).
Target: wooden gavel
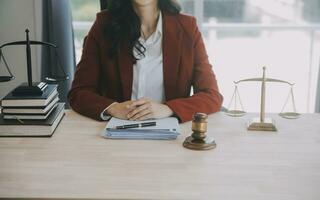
(198,139)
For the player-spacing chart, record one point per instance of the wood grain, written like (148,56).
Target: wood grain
(78,163)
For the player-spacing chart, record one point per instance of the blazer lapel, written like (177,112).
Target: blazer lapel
(172,44)
(126,72)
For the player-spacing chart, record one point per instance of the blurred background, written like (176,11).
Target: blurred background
(242,36)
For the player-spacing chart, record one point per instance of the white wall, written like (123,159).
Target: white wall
(15,17)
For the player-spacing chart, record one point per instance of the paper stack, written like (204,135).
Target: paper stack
(165,129)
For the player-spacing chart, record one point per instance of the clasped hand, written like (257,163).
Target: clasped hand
(141,109)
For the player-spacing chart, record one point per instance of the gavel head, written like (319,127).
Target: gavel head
(199,126)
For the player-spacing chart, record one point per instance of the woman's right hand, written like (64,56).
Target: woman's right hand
(120,110)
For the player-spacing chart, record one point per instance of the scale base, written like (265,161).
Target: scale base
(256,125)
(34,90)
(196,144)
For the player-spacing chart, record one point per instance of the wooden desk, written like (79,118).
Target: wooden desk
(77,163)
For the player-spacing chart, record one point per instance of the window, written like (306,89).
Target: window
(84,14)
(241,36)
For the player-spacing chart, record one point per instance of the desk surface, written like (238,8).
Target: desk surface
(77,163)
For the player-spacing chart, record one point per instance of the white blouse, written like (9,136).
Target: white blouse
(148,70)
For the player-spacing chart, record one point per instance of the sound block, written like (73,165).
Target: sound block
(194,144)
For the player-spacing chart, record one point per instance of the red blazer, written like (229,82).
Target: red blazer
(100,81)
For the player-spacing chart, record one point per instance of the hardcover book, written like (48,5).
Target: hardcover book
(36,100)
(31,109)
(32,128)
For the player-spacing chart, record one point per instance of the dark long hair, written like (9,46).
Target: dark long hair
(125,25)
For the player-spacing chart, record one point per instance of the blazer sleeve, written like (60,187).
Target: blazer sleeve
(206,98)
(84,95)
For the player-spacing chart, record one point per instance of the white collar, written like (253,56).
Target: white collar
(159,24)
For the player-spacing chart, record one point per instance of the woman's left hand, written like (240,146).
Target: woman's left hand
(146,109)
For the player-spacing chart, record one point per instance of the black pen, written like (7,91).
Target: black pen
(145,124)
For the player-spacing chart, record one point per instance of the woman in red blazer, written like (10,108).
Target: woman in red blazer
(140,60)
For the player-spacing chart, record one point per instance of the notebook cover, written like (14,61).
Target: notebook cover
(30,116)
(31,110)
(55,118)
(48,122)
(51,88)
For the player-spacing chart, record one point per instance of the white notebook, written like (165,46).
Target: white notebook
(165,129)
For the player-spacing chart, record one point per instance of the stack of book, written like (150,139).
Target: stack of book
(31,115)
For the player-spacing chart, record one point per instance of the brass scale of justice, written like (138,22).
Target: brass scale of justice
(199,141)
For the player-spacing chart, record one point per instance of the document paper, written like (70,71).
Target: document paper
(165,129)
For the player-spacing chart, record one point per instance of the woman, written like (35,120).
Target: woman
(140,59)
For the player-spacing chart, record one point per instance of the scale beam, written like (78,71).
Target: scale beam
(261,79)
(31,88)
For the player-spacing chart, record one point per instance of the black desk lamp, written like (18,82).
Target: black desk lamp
(30,88)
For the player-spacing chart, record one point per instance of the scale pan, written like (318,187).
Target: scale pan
(290,115)
(235,113)
(6,78)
